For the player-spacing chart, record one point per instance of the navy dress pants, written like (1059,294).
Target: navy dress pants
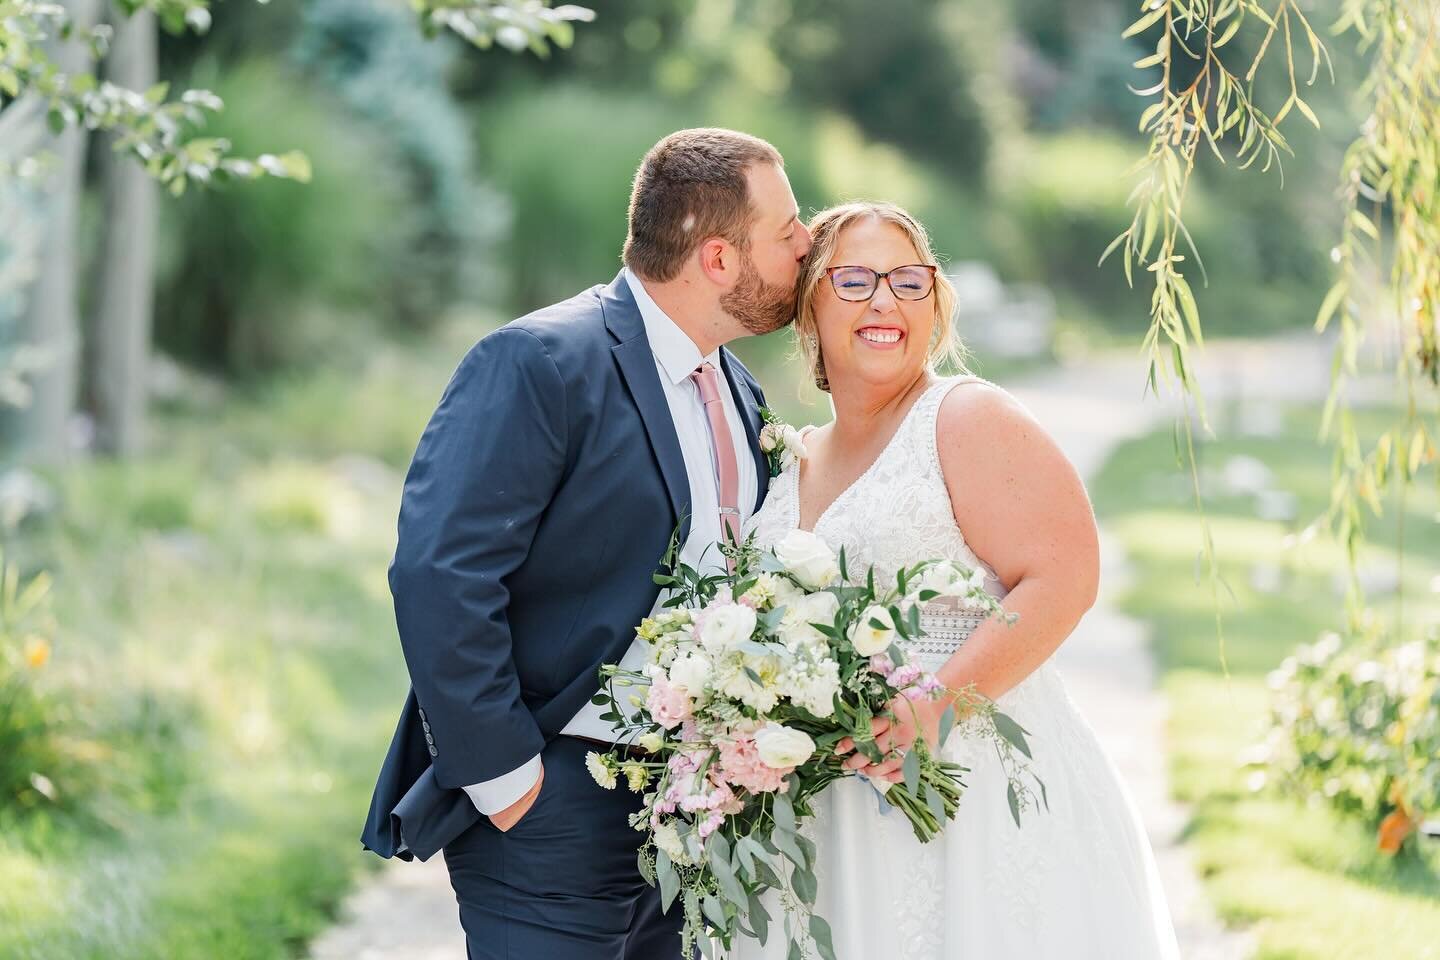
(562,884)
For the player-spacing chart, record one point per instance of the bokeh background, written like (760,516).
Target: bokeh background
(202,672)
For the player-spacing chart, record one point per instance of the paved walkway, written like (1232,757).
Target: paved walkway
(1090,407)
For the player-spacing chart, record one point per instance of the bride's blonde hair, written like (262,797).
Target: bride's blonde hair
(825,229)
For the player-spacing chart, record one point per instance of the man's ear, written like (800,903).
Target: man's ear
(719,261)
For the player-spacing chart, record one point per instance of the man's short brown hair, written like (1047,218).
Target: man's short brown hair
(691,186)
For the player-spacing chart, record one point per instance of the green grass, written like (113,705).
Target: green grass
(226,645)
(1310,884)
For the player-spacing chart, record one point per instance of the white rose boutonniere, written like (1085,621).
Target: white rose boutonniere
(781,443)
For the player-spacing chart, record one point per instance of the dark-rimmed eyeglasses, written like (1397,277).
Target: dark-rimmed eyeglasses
(858,284)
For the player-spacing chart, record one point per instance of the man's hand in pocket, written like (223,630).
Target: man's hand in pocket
(511,815)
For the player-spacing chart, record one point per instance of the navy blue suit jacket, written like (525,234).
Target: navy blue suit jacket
(542,495)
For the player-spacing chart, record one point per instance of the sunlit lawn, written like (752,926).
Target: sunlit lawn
(1311,884)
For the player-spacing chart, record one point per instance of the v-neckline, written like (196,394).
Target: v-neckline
(899,427)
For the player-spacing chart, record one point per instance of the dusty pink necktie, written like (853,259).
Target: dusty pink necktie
(723,444)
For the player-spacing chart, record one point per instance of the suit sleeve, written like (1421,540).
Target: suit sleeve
(483,475)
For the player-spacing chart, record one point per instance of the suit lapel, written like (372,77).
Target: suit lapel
(637,366)
(750,413)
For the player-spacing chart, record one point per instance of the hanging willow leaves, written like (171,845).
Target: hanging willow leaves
(1388,181)
(1214,111)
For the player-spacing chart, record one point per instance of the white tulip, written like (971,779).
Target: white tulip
(869,639)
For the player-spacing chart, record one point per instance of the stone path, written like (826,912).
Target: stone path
(1090,407)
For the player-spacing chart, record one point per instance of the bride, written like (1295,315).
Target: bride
(916,467)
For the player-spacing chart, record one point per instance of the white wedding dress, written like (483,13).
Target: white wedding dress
(1077,881)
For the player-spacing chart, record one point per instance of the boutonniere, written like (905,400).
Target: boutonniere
(780,442)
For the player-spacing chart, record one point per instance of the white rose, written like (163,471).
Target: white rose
(690,673)
(808,558)
(651,742)
(780,747)
(770,437)
(869,639)
(977,579)
(725,625)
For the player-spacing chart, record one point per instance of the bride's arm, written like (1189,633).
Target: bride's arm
(1022,509)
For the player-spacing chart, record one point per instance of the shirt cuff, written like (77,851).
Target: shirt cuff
(492,796)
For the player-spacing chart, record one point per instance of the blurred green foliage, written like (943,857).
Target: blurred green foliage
(272,274)
(503,180)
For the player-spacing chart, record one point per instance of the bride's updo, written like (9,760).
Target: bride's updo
(825,229)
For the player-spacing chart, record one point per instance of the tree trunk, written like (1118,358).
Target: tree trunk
(120,327)
(51,326)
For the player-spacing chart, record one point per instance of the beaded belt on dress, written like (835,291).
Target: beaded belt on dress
(945,630)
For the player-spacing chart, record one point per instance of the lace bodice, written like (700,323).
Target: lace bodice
(897,513)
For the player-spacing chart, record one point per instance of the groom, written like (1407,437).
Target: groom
(543,493)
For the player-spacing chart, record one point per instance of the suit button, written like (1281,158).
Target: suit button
(429,739)
(426,725)
(433,751)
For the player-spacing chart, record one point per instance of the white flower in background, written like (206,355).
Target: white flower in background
(725,625)
(733,679)
(690,672)
(668,839)
(758,595)
(780,746)
(808,558)
(651,742)
(795,629)
(782,590)
(869,639)
(602,768)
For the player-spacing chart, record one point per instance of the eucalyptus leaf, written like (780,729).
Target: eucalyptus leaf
(712,909)
(669,884)
(783,812)
(759,919)
(910,768)
(820,933)
(1011,731)
(647,872)
(805,885)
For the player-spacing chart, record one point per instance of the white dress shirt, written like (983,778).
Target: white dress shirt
(676,358)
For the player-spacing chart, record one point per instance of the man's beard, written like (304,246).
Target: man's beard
(758,306)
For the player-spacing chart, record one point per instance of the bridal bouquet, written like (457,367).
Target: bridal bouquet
(752,679)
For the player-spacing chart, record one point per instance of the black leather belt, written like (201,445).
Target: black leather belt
(631,750)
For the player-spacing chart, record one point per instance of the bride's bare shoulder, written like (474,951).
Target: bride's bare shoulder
(974,408)
(982,429)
